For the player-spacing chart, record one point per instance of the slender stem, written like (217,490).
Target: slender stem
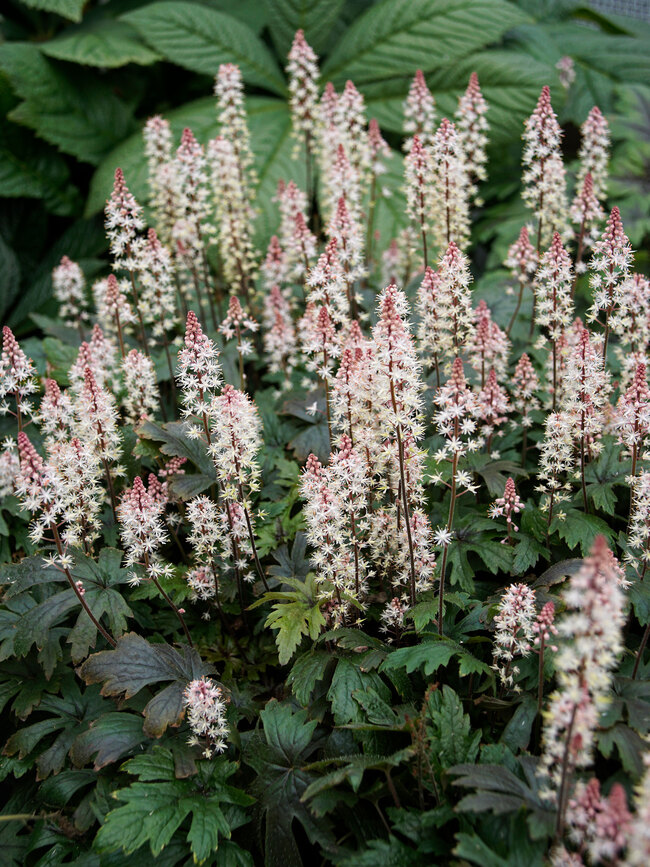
(639,655)
(118,325)
(371,220)
(251,535)
(308,181)
(19,417)
(524,447)
(241,360)
(450,521)
(78,593)
(327,399)
(581,243)
(136,301)
(392,789)
(171,604)
(516,310)
(407,516)
(540,676)
(566,773)
(111,489)
(170,366)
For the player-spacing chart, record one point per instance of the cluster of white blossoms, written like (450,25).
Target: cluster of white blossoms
(302,68)
(39,487)
(638,838)
(279,334)
(236,323)
(157,290)
(450,187)
(488,346)
(142,530)
(236,439)
(96,418)
(455,417)
(157,137)
(69,285)
(514,632)
(554,278)
(638,551)
(124,224)
(591,642)
(556,462)
(83,496)
(17,378)
(336,500)
(9,468)
(455,308)
(544,185)
(585,392)
(199,375)
(206,715)
(610,267)
(472,128)
(141,397)
(587,215)
(419,113)
(594,152)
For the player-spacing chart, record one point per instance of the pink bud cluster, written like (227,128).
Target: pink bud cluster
(597,823)
(506,506)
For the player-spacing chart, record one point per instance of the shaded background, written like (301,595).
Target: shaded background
(78,79)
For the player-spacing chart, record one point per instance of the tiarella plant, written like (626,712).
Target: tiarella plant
(324,537)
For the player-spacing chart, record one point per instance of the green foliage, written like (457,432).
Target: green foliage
(200,39)
(158,804)
(295,614)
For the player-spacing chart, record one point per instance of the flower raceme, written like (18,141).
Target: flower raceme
(514,634)
(591,643)
(544,183)
(199,374)
(236,440)
(17,378)
(206,713)
(506,506)
(142,529)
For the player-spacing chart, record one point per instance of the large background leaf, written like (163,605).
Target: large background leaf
(200,39)
(396,38)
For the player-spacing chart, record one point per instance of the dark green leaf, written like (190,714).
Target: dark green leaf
(200,39)
(393,38)
(101,42)
(79,114)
